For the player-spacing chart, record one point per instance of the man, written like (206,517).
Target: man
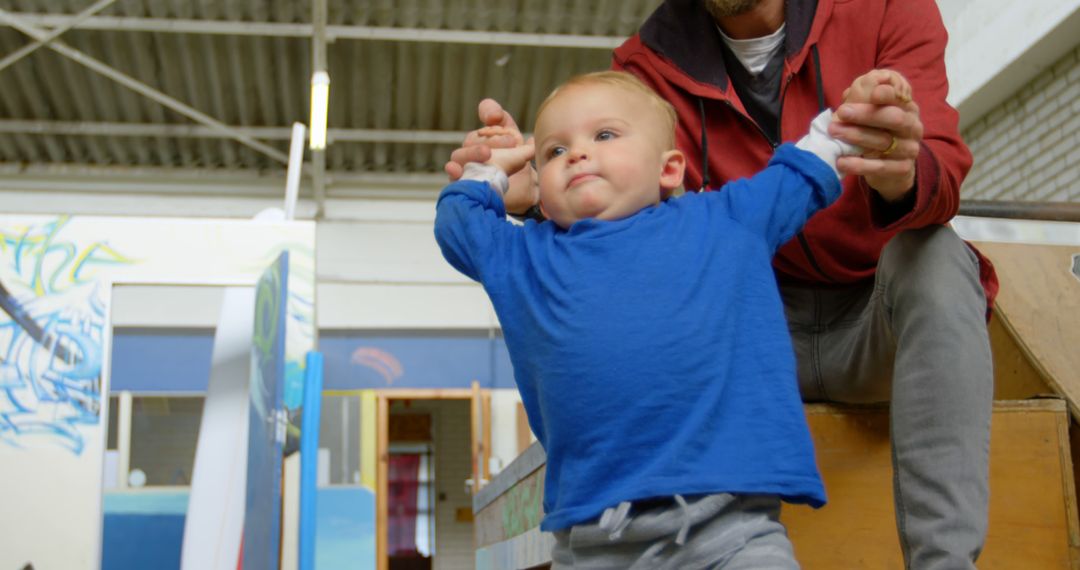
(883,301)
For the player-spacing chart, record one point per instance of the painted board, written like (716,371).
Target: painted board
(267,421)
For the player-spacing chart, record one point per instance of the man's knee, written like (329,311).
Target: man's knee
(927,249)
(932,263)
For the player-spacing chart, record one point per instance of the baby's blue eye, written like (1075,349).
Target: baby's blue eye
(605,135)
(555,151)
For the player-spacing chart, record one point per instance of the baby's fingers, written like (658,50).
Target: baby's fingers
(499,137)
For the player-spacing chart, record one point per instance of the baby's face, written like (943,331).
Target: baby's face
(599,154)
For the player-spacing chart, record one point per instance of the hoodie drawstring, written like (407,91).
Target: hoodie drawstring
(704,148)
(704,131)
(817,79)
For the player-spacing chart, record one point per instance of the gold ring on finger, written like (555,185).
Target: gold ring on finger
(892,147)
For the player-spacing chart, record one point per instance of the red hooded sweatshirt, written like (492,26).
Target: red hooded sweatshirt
(828,44)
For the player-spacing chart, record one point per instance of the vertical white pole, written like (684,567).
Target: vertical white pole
(214,525)
(296,161)
(123,438)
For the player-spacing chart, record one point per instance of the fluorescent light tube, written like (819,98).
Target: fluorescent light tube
(320,101)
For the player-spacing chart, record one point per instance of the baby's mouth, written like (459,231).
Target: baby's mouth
(581,179)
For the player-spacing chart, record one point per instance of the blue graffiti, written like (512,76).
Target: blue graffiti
(43,395)
(52,318)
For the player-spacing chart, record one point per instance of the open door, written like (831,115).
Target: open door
(449,493)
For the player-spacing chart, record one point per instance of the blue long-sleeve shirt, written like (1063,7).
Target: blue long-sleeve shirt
(651,352)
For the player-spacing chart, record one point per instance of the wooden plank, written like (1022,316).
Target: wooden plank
(529,550)
(1033,509)
(382,486)
(477,444)
(1015,377)
(1039,305)
(514,512)
(517,471)
(486,437)
(1032,524)
(524,432)
(1068,473)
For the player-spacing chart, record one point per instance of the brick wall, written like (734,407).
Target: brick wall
(1028,148)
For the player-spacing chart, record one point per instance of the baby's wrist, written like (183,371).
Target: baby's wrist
(494,175)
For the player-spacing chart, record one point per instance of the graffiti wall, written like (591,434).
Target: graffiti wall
(56,275)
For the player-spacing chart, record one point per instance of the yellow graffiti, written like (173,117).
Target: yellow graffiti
(40,246)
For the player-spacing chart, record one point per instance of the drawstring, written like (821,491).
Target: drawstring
(616,519)
(680,538)
(704,148)
(705,139)
(817,79)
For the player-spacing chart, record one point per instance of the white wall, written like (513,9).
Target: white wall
(996,46)
(504,428)
(382,270)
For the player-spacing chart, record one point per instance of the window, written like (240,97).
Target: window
(164,435)
(114,423)
(339,438)
(410,504)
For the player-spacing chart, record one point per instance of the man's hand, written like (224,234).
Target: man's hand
(500,131)
(879,116)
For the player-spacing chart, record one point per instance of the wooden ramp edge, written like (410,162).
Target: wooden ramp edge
(1036,326)
(1033,512)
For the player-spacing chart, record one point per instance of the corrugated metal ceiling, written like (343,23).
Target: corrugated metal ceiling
(406,77)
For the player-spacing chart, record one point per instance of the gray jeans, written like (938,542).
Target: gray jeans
(722,531)
(918,338)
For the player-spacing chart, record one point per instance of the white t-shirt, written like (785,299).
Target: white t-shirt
(755,53)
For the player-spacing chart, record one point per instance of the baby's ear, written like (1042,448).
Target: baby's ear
(672,169)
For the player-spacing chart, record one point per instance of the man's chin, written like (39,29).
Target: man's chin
(727,8)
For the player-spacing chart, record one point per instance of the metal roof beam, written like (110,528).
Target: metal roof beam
(109,129)
(333,32)
(148,180)
(55,33)
(140,87)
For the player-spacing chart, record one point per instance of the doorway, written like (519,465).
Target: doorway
(432,445)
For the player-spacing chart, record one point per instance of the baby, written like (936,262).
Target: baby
(647,334)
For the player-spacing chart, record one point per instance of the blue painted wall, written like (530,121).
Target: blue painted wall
(173,361)
(147,361)
(355,361)
(145,530)
(344,538)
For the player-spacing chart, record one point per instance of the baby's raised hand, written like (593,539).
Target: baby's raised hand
(509,160)
(879,87)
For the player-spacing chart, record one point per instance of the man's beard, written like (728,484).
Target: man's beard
(725,8)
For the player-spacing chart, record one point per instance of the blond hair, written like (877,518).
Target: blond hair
(627,82)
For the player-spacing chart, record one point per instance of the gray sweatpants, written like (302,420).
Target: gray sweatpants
(917,337)
(732,532)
